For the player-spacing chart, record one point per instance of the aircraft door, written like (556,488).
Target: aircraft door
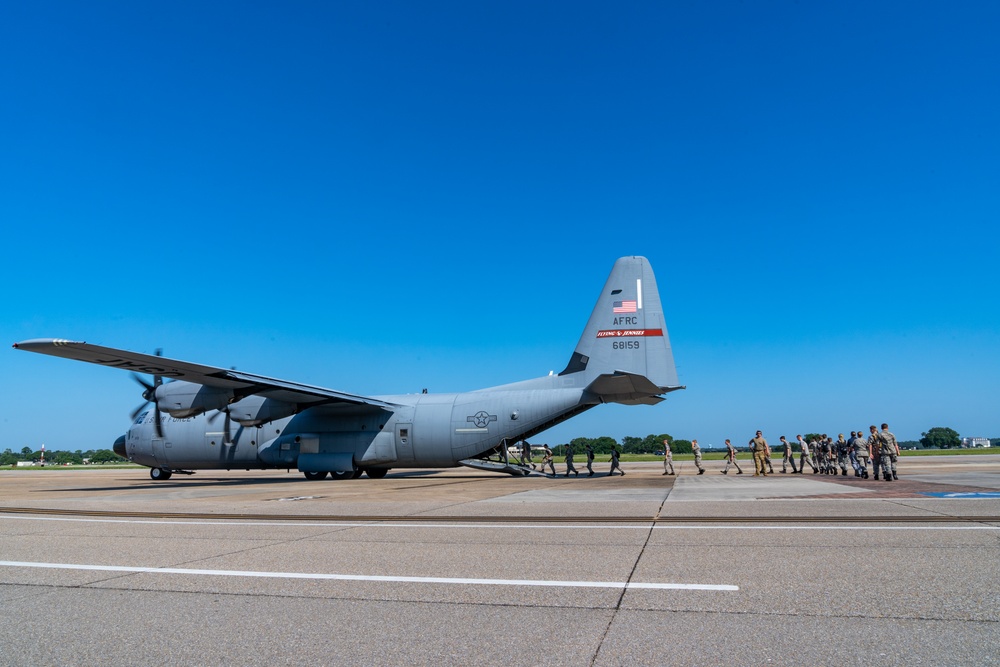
(159,453)
(404,442)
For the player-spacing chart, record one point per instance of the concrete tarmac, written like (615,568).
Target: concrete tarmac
(472,568)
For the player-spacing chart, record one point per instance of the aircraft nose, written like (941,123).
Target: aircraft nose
(119,447)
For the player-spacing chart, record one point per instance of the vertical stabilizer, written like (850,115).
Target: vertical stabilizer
(626,339)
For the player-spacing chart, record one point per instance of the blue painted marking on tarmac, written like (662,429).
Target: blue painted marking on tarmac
(976,494)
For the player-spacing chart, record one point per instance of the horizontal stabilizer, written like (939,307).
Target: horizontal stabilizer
(628,389)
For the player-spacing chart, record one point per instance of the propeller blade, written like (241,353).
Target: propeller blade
(149,393)
(135,413)
(226,425)
(138,379)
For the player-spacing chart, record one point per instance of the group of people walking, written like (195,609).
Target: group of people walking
(570,466)
(823,454)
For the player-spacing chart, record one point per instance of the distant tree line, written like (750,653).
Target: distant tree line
(629,445)
(59,457)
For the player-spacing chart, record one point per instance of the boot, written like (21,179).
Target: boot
(739,472)
(701,471)
(876,475)
(894,475)
(725,472)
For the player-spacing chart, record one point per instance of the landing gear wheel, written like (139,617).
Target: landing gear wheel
(357,473)
(315,476)
(159,474)
(340,474)
(376,473)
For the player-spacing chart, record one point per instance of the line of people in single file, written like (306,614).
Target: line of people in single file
(822,453)
(525,460)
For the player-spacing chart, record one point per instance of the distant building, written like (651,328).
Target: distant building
(975,442)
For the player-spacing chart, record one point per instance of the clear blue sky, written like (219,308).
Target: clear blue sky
(380,197)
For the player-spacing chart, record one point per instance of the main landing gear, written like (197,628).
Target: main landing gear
(374,473)
(162,474)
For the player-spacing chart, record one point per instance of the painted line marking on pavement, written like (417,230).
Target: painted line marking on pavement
(334,524)
(480,526)
(361,577)
(970,495)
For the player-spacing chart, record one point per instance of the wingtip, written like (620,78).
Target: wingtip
(43,342)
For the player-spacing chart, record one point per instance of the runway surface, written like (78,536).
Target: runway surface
(463,567)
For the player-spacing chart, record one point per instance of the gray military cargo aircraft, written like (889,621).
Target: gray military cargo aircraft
(623,356)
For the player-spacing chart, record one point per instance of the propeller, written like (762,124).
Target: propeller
(225,427)
(149,393)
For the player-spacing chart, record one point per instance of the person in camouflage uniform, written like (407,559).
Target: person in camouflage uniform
(804,456)
(859,454)
(547,460)
(829,455)
(570,468)
(668,458)
(731,459)
(890,451)
(788,456)
(816,447)
(843,454)
(696,450)
(875,445)
(760,452)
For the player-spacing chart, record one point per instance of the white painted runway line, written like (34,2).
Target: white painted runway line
(359,577)
(417,523)
(452,525)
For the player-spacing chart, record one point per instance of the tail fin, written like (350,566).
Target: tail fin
(624,355)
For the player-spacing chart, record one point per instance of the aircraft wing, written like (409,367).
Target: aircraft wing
(243,384)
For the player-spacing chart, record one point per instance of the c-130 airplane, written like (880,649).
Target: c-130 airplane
(624,356)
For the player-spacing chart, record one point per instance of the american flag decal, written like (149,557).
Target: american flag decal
(624,306)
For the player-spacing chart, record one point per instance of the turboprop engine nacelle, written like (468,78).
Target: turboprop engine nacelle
(256,410)
(182,399)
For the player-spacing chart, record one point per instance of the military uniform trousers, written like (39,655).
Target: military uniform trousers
(889,463)
(668,465)
(760,462)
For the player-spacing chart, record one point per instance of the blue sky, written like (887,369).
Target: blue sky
(382,197)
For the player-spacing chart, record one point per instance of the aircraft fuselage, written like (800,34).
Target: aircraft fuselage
(426,431)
